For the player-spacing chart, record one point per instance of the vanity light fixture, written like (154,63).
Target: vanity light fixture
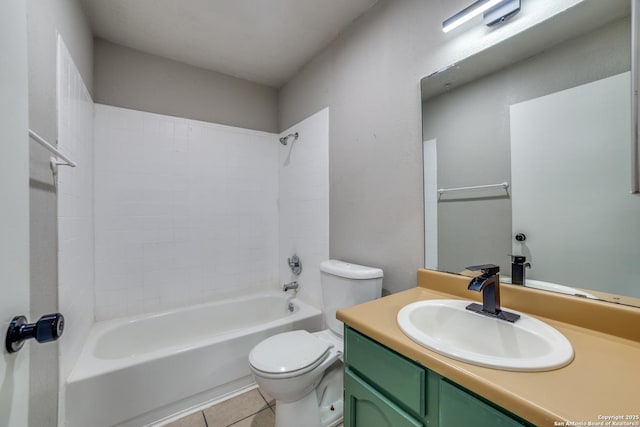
(495,12)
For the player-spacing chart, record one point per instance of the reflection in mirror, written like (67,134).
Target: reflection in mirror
(556,127)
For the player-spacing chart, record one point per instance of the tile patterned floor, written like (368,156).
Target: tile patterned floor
(254,408)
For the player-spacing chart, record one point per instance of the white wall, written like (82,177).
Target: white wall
(75,210)
(185,210)
(129,78)
(304,203)
(14,216)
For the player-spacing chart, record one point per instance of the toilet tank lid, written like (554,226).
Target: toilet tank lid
(350,271)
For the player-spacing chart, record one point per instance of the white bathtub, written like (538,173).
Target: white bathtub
(139,370)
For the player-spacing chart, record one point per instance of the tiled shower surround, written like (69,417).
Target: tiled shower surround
(304,203)
(75,209)
(187,210)
(163,212)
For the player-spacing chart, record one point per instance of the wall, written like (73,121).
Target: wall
(430,165)
(14,216)
(184,211)
(132,79)
(304,203)
(369,77)
(75,212)
(475,230)
(44,20)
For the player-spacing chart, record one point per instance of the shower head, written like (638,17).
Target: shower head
(285,139)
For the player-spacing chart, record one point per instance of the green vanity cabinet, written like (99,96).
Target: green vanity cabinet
(459,408)
(402,381)
(367,407)
(384,389)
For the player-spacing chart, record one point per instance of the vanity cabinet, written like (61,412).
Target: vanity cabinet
(384,389)
(368,407)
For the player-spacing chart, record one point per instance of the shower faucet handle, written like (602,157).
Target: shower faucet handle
(295,264)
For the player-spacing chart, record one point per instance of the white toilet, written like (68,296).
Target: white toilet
(302,370)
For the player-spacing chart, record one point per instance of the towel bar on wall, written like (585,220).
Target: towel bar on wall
(504,185)
(55,162)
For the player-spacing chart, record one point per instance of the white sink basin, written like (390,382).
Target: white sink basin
(446,327)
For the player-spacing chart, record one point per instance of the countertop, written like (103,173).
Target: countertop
(602,381)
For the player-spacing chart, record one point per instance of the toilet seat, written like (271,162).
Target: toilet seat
(288,354)
(332,338)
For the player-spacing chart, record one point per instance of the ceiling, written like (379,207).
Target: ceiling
(264,41)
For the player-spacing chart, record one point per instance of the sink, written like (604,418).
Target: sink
(554,287)
(447,327)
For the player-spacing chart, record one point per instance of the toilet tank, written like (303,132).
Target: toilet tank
(345,284)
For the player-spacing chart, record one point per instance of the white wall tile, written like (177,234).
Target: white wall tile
(304,203)
(75,210)
(187,210)
(184,210)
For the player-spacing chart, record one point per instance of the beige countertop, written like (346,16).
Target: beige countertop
(603,380)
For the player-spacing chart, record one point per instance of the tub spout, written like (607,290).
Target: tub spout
(293,285)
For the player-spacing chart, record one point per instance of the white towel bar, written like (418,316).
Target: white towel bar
(40,140)
(504,185)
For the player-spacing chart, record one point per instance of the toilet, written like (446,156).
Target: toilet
(302,370)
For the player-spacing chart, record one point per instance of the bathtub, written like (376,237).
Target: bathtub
(140,370)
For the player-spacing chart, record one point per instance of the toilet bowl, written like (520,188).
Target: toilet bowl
(302,370)
(290,366)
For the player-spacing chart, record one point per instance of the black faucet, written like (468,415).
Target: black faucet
(518,269)
(489,284)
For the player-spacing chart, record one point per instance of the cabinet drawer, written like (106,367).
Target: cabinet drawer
(400,379)
(458,408)
(367,407)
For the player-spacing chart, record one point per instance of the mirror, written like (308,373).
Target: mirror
(541,123)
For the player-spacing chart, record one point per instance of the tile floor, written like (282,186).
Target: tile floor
(254,408)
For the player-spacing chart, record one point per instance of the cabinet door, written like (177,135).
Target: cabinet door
(458,408)
(366,407)
(402,380)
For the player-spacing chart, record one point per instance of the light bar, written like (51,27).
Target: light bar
(468,13)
